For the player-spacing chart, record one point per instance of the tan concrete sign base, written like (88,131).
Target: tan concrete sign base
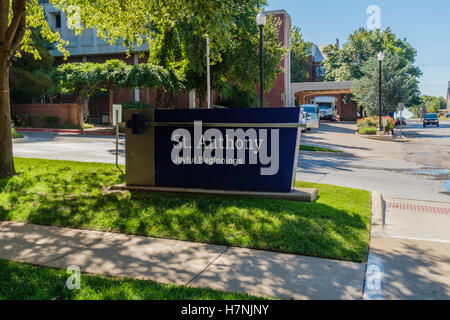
(298,195)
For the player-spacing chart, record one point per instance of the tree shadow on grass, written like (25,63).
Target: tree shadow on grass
(274,225)
(72,195)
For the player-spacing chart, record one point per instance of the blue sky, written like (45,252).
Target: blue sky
(425,24)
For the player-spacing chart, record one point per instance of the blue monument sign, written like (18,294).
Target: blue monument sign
(213,149)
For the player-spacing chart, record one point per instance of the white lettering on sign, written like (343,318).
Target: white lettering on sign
(374,20)
(237,147)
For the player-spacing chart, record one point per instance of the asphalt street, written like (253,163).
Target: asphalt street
(66,146)
(414,170)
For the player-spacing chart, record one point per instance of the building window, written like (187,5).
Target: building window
(55,20)
(58,20)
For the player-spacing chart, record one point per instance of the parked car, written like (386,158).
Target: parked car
(312,111)
(311,121)
(400,121)
(431,119)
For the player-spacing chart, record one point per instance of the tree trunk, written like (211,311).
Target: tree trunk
(81,105)
(160,98)
(6,151)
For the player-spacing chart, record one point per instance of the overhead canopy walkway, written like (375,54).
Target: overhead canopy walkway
(303,90)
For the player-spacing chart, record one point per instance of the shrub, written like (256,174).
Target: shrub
(136,105)
(368,130)
(36,121)
(239,98)
(373,122)
(14,133)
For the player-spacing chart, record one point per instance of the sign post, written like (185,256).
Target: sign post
(117,119)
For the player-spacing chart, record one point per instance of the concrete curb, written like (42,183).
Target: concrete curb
(382,138)
(378,213)
(297,195)
(328,154)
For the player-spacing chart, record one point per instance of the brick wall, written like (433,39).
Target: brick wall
(277,96)
(67,112)
(346,111)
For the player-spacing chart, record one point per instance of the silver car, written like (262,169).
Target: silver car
(311,121)
(312,116)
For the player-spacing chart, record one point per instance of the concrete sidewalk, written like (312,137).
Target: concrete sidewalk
(410,247)
(168,261)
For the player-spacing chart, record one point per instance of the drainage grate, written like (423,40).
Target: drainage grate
(418,208)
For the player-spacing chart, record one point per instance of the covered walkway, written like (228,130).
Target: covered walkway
(303,90)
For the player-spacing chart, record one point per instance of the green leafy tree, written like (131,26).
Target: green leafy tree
(17,20)
(346,64)
(429,104)
(241,65)
(398,84)
(236,65)
(85,79)
(299,56)
(135,21)
(29,78)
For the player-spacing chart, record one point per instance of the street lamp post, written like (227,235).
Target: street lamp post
(380,60)
(261,21)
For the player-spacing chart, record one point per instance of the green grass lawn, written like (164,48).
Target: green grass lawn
(72,194)
(318,149)
(21,281)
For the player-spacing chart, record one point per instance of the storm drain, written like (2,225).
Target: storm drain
(418,208)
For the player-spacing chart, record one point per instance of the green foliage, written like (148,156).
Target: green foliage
(346,64)
(36,25)
(374,123)
(299,56)
(22,281)
(241,65)
(317,149)
(136,105)
(398,84)
(14,133)
(151,76)
(175,34)
(240,99)
(84,79)
(368,130)
(429,104)
(29,78)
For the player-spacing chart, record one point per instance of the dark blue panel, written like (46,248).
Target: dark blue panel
(225,176)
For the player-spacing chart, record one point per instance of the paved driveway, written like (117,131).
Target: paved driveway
(62,146)
(410,253)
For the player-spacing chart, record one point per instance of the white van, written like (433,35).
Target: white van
(327,107)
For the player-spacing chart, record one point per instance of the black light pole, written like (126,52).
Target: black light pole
(261,21)
(380,60)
